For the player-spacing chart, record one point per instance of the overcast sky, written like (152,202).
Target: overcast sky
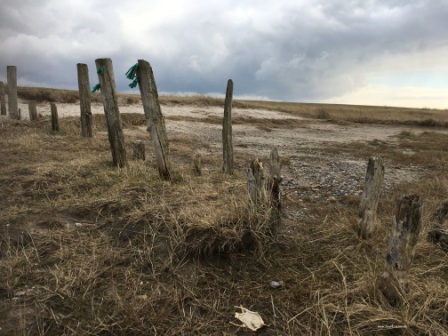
(375,52)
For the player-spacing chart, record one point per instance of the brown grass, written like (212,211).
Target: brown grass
(88,249)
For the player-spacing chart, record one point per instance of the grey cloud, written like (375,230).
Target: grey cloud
(286,50)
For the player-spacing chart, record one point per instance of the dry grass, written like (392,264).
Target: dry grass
(88,249)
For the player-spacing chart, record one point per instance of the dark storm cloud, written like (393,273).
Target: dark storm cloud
(286,50)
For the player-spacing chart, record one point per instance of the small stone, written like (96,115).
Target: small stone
(276,284)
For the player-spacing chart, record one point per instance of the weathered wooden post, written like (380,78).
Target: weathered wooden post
(403,237)
(370,197)
(154,117)
(227,146)
(32,107)
(12,92)
(251,186)
(2,99)
(84,100)
(110,101)
(275,179)
(257,182)
(138,150)
(54,118)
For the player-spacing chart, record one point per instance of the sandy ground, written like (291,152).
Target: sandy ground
(312,133)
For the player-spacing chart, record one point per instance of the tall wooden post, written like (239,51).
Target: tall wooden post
(406,227)
(370,197)
(154,117)
(110,101)
(12,92)
(84,100)
(54,118)
(32,110)
(2,99)
(227,146)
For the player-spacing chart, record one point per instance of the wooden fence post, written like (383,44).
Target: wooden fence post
(275,179)
(370,197)
(264,189)
(2,99)
(84,100)
(32,107)
(138,150)
(403,237)
(54,118)
(154,117)
(227,146)
(110,101)
(257,182)
(12,92)
(251,186)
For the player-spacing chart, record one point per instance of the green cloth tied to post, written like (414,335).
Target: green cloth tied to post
(96,88)
(132,74)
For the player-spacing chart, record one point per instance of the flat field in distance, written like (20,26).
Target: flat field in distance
(89,249)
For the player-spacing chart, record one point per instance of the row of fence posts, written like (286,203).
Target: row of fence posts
(263,186)
(13,108)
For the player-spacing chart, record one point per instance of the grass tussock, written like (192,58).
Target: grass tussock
(86,248)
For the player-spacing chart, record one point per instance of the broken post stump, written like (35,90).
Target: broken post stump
(54,118)
(154,117)
(370,197)
(403,237)
(84,100)
(110,101)
(2,99)
(257,182)
(275,179)
(251,186)
(227,146)
(13,107)
(138,150)
(264,189)
(32,110)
